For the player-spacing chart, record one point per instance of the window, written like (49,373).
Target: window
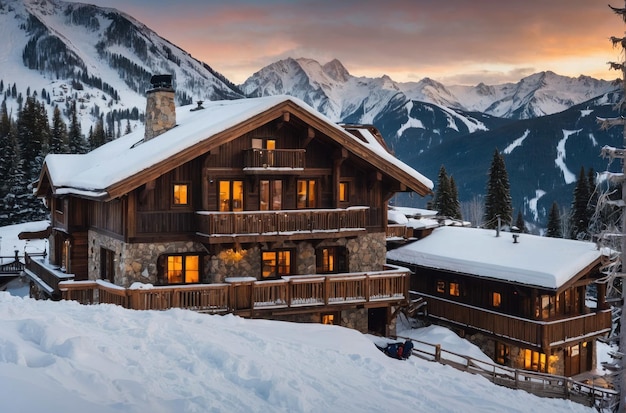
(231,195)
(267,155)
(182,269)
(535,361)
(344,191)
(306,194)
(107,265)
(441,286)
(329,318)
(271,196)
(502,353)
(330,260)
(65,256)
(59,205)
(548,307)
(496,299)
(276,263)
(454,289)
(181,192)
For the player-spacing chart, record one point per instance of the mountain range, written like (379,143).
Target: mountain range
(544,125)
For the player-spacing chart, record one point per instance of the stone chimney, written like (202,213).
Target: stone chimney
(160,106)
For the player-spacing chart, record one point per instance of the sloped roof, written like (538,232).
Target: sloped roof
(544,262)
(128,162)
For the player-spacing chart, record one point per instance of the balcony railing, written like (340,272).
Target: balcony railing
(276,158)
(276,222)
(389,285)
(46,276)
(542,334)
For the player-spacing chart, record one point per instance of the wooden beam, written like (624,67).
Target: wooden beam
(285,116)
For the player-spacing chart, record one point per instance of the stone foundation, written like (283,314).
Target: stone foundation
(555,360)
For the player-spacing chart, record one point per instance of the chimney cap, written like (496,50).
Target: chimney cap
(164,81)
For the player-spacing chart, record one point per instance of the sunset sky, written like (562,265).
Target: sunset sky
(452,41)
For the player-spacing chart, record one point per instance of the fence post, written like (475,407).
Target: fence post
(437,352)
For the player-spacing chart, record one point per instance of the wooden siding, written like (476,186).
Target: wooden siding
(79,256)
(108,216)
(540,334)
(516,299)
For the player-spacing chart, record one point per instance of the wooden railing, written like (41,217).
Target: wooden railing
(396,231)
(285,221)
(289,292)
(277,158)
(539,333)
(46,276)
(540,384)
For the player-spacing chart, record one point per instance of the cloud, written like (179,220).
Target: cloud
(405,37)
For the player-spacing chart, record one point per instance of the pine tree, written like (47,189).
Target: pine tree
(442,193)
(32,138)
(579,216)
(554,222)
(58,134)
(454,198)
(76,142)
(498,198)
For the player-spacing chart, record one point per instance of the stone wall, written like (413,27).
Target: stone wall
(136,262)
(367,252)
(355,319)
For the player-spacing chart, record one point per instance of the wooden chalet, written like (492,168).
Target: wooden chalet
(261,207)
(521,298)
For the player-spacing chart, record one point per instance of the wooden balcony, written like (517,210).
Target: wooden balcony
(541,334)
(296,224)
(46,276)
(252,297)
(283,161)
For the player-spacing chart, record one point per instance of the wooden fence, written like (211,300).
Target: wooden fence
(539,384)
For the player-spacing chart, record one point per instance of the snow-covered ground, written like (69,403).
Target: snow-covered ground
(65,357)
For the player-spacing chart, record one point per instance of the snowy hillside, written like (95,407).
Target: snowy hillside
(65,357)
(100,57)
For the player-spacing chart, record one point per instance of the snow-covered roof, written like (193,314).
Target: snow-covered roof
(538,261)
(95,172)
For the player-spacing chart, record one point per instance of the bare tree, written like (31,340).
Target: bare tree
(474,210)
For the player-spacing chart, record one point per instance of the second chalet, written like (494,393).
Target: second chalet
(261,207)
(523,299)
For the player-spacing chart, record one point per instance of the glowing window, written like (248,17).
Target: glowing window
(276,263)
(183,269)
(441,286)
(534,361)
(271,195)
(496,299)
(326,260)
(231,195)
(328,319)
(343,191)
(181,194)
(454,289)
(306,194)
